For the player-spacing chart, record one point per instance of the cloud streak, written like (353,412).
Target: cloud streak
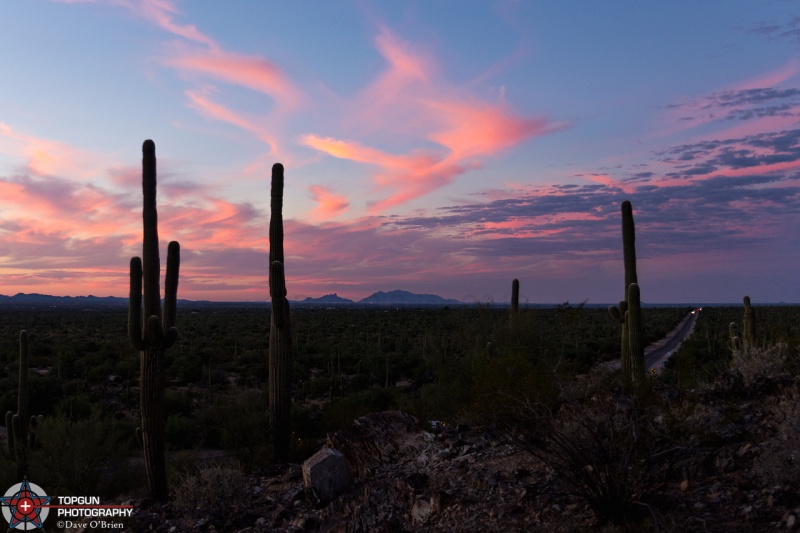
(409,100)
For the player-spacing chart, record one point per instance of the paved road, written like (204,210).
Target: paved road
(656,354)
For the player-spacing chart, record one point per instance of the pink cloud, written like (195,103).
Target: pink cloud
(408,100)
(215,111)
(773,78)
(251,72)
(45,157)
(479,128)
(411,176)
(162,13)
(329,205)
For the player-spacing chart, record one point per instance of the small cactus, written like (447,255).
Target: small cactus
(18,436)
(491,349)
(515,297)
(32,425)
(735,343)
(748,325)
(20,446)
(22,391)
(10,433)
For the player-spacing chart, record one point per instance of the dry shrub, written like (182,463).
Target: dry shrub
(779,462)
(601,450)
(755,364)
(213,490)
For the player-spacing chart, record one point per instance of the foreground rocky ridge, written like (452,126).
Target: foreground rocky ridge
(727,463)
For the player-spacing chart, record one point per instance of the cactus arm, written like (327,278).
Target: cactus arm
(171,293)
(171,284)
(135,305)
(613,311)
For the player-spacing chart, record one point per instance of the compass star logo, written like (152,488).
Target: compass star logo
(25,506)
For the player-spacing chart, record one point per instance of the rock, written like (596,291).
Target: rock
(325,475)
(380,439)
(421,511)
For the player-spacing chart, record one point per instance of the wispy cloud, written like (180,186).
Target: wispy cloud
(329,204)
(453,132)
(251,72)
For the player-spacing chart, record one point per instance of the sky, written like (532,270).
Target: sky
(436,147)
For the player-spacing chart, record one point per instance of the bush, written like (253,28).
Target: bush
(87,456)
(600,449)
(755,364)
(238,421)
(215,490)
(779,462)
(181,433)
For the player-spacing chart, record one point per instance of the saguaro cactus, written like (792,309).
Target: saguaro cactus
(620,313)
(748,325)
(515,297)
(17,424)
(734,337)
(152,330)
(280,332)
(22,391)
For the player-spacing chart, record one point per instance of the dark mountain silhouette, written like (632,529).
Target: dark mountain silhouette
(334,299)
(406,298)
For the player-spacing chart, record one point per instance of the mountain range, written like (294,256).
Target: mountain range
(379,298)
(383,298)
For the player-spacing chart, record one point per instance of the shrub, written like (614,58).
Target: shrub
(779,462)
(181,433)
(215,490)
(600,449)
(755,364)
(87,456)
(238,421)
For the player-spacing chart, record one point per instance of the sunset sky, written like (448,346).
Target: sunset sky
(437,147)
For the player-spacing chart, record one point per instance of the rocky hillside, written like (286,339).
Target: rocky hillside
(723,457)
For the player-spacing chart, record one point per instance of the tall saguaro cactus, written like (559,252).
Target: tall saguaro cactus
(280,332)
(629,368)
(22,392)
(514,297)
(17,424)
(748,325)
(152,330)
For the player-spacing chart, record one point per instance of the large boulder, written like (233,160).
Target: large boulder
(325,476)
(377,439)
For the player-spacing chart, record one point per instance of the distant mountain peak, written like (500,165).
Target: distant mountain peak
(327,299)
(400,297)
